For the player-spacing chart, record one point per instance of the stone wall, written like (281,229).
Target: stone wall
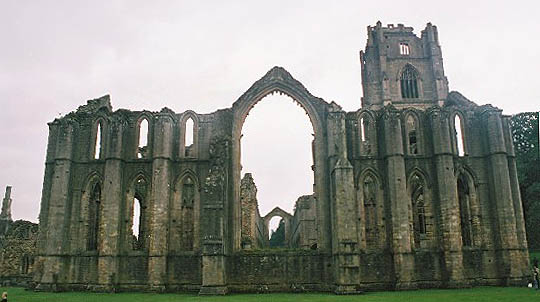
(17,252)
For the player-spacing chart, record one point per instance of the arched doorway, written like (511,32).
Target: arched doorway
(280,81)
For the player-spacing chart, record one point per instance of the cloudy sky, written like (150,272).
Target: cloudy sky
(202,55)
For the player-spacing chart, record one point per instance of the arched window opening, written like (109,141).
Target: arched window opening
(138,215)
(94,217)
(421,213)
(370,211)
(268,148)
(142,149)
(365,128)
(188,201)
(362,126)
(189,137)
(408,81)
(465,211)
(458,134)
(412,135)
(98,141)
(276,232)
(404,49)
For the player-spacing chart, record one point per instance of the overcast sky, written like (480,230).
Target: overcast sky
(202,55)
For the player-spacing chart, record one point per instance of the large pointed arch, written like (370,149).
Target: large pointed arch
(281,81)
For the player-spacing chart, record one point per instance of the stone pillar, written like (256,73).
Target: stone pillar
(345,248)
(112,198)
(516,195)
(160,197)
(448,199)
(6,205)
(45,198)
(398,199)
(510,268)
(214,273)
(57,212)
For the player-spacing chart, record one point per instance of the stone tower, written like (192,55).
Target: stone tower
(6,205)
(394,56)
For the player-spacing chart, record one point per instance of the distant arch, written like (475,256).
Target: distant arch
(277,211)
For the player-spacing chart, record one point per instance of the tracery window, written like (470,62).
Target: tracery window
(409,83)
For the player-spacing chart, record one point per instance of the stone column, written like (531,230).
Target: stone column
(6,205)
(111,201)
(448,199)
(45,198)
(516,198)
(510,268)
(398,199)
(345,248)
(159,203)
(57,212)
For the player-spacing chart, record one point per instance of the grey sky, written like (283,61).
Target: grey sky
(202,55)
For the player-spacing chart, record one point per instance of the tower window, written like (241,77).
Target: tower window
(409,83)
(404,49)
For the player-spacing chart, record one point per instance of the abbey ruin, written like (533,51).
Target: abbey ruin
(417,188)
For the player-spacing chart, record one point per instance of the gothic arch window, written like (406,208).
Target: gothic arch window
(136,214)
(184,212)
(413,136)
(189,135)
(469,210)
(421,214)
(94,213)
(371,211)
(459,134)
(409,82)
(98,140)
(143,134)
(366,135)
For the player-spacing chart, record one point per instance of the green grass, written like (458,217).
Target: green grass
(533,254)
(492,294)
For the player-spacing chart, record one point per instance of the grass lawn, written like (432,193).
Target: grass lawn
(533,254)
(492,294)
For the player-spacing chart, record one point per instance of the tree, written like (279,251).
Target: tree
(278,236)
(526,145)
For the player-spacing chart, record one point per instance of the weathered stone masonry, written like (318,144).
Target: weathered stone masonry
(400,200)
